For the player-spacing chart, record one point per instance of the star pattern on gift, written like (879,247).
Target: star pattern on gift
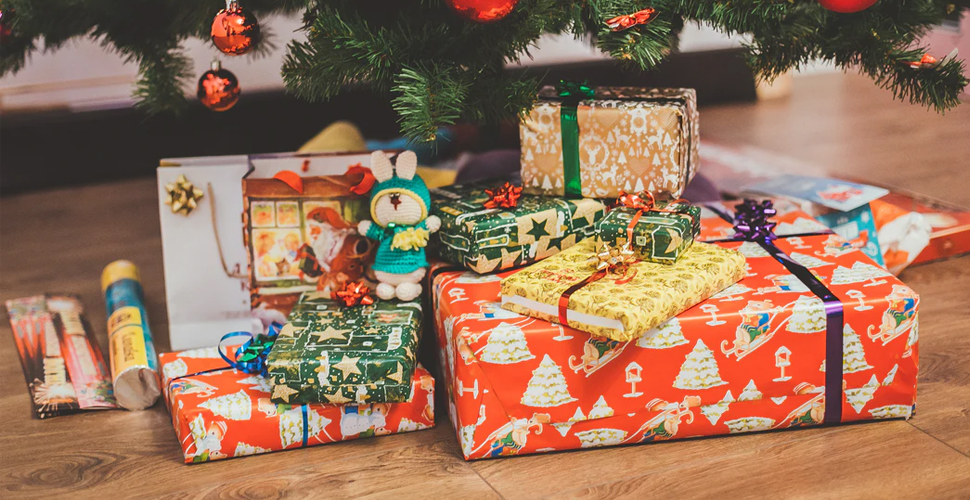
(288,330)
(337,398)
(283,392)
(587,209)
(675,241)
(509,258)
(485,265)
(348,366)
(331,333)
(182,195)
(397,375)
(538,230)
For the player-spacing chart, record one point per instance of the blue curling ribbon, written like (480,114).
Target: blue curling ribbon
(751,223)
(306,425)
(251,355)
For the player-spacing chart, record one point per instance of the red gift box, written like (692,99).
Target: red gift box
(219,412)
(751,358)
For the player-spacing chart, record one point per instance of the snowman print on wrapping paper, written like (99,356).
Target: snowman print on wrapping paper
(399,204)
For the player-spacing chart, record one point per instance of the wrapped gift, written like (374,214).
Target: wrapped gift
(594,143)
(329,352)
(899,213)
(578,289)
(660,234)
(220,412)
(766,353)
(486,234)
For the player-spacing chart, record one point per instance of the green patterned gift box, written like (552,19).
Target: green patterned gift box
(658,236)
(330,353)
(490,240)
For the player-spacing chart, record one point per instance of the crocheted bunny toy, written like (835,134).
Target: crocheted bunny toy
(399,204)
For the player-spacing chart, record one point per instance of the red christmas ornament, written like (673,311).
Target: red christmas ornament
(235,30)
(846,6)
(218,88)
(482,11)
(6,32)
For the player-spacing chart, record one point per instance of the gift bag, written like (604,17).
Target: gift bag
(206,257)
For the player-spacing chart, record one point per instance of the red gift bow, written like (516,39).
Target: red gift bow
(505,196)
(645,202)
(354,293)
(366,182)
(620,23)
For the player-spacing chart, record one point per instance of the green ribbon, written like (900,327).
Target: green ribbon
(571,93)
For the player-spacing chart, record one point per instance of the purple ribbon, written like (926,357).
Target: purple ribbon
(751,223)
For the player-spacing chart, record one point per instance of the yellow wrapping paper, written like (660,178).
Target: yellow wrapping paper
(656,293)
(630,139)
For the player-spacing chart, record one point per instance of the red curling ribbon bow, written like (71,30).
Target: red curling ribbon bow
(366,182)
(291,179)
(620,23)
(353,293)
(505,196)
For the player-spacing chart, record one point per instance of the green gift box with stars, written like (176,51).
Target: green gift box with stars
(659,235)
(488,240)
(330,353)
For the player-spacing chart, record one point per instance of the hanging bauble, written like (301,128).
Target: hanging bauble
(235,30)
(218,88)
(6,32)
(846,6)
(482,11)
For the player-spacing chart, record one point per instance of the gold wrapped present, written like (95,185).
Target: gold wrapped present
(609,294)
(628,139)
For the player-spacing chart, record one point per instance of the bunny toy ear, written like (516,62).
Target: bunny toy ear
(407,164)
(381,166)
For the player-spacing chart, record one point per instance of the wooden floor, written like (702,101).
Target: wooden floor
(60,240)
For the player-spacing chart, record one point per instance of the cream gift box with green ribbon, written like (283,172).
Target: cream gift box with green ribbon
(596,142)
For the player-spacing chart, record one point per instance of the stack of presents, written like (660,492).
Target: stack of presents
(589,306)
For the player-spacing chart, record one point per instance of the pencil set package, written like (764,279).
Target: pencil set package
(62,363)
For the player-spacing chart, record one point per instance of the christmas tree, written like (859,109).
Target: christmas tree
(506,345)
(858,397)
(547,387)
(244,449)
(600,409)
(750,392)
(664,336)
(699,370)
(860,272)
(595,438)
(714,411)
(807,315)
(291,426)
(853,354)
(235,406)
(563,427)
(441,62)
